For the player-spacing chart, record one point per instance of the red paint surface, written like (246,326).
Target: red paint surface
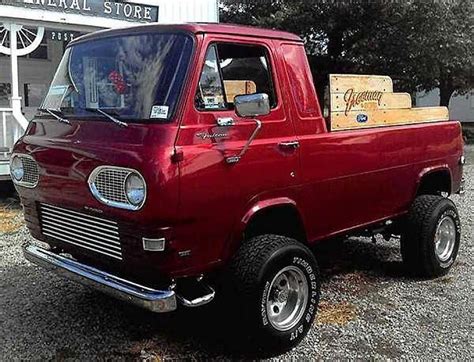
(337,181)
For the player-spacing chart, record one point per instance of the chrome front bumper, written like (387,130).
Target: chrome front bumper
(154,300)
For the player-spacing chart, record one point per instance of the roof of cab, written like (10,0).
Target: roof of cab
(196,28)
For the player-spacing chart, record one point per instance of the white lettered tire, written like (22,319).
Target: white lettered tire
(276,284)
(430,241)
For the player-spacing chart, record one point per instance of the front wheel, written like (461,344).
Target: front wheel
(430,242)
(276,287)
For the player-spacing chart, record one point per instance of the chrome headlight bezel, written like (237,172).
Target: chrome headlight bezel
(124,202)
(140,188)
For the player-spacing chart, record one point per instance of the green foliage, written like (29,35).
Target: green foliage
(421,45)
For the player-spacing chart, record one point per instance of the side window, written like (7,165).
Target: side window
(210,93)
(245,69)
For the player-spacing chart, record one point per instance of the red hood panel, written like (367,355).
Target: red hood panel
(68,153)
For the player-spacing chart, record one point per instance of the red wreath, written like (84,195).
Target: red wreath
(119,83)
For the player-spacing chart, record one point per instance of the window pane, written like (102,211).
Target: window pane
(245,70)
(39,53)
(33,94)
(210,94)
(138,76)
(5,93)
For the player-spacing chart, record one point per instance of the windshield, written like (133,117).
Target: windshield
(136,77)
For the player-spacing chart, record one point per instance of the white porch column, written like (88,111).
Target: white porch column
(29,42)
(16,99)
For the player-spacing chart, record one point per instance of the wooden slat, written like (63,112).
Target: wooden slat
(396,101)
(388,117)
(387,101)
(237,87)
(339,83)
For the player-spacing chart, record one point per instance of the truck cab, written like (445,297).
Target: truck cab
(169,163)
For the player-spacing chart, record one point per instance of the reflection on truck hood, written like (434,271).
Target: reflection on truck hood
(67,153)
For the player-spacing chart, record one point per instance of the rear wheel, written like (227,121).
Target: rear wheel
(430,241)
(275,290)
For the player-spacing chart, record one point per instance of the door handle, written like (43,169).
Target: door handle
(225,121)
(289,144)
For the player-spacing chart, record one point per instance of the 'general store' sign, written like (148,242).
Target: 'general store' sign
(106,9)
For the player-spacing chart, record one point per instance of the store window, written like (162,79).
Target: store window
(41,52)
(5,94)
(33,94)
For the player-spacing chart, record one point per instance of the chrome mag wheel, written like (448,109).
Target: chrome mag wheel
(287,298)
(445,238)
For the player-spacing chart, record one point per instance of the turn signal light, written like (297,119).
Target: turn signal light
(153,244)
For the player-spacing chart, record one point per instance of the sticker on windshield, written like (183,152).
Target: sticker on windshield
(159,112)
(57,90)
(55,96)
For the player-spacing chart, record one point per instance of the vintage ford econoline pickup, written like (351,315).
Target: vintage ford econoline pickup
(169,164)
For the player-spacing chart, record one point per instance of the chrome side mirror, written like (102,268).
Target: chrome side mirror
(252,105)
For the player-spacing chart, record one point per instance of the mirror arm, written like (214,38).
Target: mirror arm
(236,158)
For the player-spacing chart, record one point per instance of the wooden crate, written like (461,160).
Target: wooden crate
(237,87)
(364,101)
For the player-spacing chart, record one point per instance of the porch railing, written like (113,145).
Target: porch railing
(9,132)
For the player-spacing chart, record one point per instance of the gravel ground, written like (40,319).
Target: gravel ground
(369,309)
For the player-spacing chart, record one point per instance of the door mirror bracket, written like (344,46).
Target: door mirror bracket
(236,158)
(250,106)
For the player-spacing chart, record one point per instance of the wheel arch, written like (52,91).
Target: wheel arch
(279,216)
(434,181)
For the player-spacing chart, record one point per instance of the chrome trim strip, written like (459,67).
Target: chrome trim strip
(87,237)
(92,187)
(102,226)
(59,220)
(83,246)
(151,299)
(114,224)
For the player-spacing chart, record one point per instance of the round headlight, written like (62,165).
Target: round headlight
(135,189)
(16,169)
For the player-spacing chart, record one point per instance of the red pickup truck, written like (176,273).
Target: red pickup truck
(169,164)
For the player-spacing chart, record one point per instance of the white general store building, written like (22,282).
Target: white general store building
(34,34)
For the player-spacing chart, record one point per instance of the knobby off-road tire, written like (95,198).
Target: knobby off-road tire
(430,241)
(275,286)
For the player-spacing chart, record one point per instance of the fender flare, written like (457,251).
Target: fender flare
(266,204)
(256,207)
(431,169)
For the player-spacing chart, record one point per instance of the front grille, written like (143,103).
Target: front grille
(86,231)
(30,169)
(110,184)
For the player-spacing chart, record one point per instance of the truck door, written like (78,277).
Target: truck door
(214,193)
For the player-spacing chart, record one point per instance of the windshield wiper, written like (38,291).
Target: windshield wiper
(109,116)
(54,113)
